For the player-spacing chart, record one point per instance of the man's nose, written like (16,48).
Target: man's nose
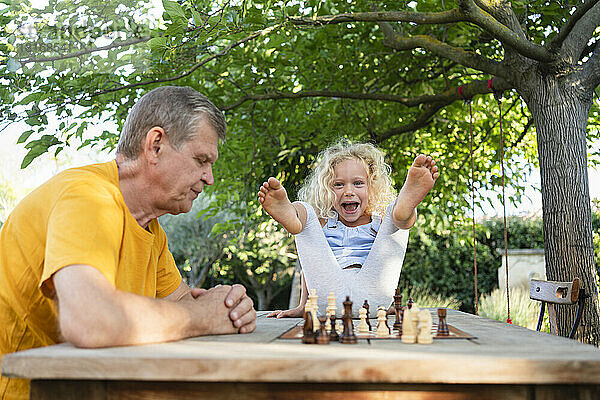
(207,176)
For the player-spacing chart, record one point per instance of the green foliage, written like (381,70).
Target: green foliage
(523,311)
(426,298)
(191,45)
(441,261)
(194,249)
(209,248)
(262,260)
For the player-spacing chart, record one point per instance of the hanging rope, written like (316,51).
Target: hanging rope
(473,207)
(498,96)
(476,301)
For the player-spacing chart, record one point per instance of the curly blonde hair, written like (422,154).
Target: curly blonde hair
(318,191)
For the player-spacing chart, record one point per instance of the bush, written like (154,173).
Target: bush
(440,261)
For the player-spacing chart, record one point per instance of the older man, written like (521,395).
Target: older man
(83,258)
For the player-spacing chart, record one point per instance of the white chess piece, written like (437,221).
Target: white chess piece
(314,308)
(331,307)
(409,328)
(425,336)
(362,326)
(382,328)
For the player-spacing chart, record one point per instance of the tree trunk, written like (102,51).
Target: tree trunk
(261,298)
(560,116)
(296,286)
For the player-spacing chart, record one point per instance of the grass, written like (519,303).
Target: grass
(523,311)
(424,298)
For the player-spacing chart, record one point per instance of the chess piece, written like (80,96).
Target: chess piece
(415,309)
(366,307)
(409,328)
(348,336)
(333,335)
(362,326)
(331,308)
(397,307)
(308,335)
(424,336)
(409,303)
(339,327)
(322,336)
(327,324)
(314,307)
(442,324)
(382,327)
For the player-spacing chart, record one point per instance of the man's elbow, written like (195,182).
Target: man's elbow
(89,334)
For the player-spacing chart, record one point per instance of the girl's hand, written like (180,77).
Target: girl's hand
(292,313)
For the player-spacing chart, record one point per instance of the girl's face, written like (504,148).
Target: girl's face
(351,188)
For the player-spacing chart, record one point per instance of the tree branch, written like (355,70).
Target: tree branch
(407,101)
(443,17)
(446,97)
(580,33)
(556,43)
(451,95)
(588,50)
(466,58)
(422,120)
(124,43)
(501,32)
(223,52)
(591,71)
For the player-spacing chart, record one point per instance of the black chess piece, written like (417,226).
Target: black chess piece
(348,336)
(333,335)
(322,336)
(397,307)
(308,335)
(442,324)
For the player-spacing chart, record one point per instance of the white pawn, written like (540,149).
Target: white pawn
(331,308)
(425,336)
(382,328)
(314,308)
(409,328)
(362,326)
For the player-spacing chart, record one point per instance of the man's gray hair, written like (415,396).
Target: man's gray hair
(178,110)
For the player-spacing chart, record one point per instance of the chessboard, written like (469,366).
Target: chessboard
(454,333)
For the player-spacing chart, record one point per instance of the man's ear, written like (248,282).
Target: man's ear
(155,140)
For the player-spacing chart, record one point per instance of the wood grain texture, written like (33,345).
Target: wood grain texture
(135,390)
(502,354)
(555,292)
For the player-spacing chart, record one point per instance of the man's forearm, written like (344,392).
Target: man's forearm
(92,313)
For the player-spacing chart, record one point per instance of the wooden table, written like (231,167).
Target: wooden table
(504,362)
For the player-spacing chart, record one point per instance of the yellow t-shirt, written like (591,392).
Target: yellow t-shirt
(77,217)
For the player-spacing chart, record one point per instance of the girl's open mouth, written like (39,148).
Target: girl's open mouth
(350,207)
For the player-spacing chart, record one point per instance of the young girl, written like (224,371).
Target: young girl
(351,230)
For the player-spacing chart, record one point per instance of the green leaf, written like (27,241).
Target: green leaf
(158,44)
(12,65)
(173,9)
(33,153)
(24,136)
